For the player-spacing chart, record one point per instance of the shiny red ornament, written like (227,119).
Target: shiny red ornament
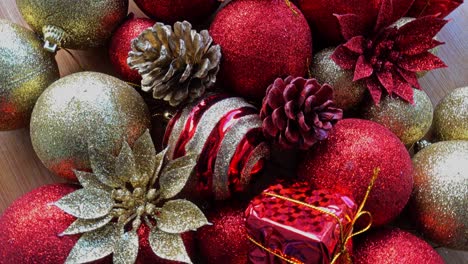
(321,16)
(388,58)
(346,160)
(226,133)
(120,46)
(390,246)
(226,240)
(261,40)
(31,225)
(298,232)
(433,7)
(170,11)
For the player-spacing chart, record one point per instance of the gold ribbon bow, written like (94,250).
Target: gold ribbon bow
(344,238)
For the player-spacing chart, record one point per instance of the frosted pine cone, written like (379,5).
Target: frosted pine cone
(178,64)
(298,112)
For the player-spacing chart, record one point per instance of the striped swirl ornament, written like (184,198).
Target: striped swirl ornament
(227,134)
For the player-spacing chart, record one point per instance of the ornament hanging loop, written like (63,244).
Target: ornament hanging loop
(53,37)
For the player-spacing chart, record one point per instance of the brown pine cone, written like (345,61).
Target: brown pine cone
(177,64)
(298,112)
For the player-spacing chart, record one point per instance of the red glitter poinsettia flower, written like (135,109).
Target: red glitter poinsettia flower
(433,7)
(388,58)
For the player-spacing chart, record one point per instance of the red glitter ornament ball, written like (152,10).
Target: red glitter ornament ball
(260,41)
(346,161)
(390,246)
(170,11)
(30,228)
(120,46)
(226,240)
(324,24)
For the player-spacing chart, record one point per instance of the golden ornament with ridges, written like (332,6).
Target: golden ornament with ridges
(407,121)
(451,116)
(440,196)
(346,93)
(73,24)
(25,72)
(84,109)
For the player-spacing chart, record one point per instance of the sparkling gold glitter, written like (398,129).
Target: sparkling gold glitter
(117,200)
(87,23)
(440,197)
(408,122)
(346,93)
(451,116)
(85,109)
(25,72)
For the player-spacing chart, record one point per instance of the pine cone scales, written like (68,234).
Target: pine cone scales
(298,112)
(178,64)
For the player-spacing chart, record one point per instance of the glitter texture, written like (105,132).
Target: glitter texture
(25,72)
(409,122)
(390,246)
(433,7)
(226,240)
(261,40)
(30,228)
(346,93)
(84,109)
(451,116)
(87,23)
(440,197)
(120,46)
(170,11)
(346,161)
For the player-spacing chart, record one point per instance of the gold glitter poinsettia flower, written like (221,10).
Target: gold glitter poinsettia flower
(120,195)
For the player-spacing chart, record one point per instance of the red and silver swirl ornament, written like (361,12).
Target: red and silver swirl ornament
(226,133)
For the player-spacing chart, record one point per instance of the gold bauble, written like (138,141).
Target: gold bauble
(346,93)
(25,72)
(81,110)
(71,23)
(440,197)
(409,122)
(451,116)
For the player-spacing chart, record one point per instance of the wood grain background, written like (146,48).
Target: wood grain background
(21,171)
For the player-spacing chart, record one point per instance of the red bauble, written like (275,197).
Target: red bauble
(120,46)
(260,41)
(30,228)
(226,240)
(321,16)
(170,11)
(433,7)
(346,161)
(392,246)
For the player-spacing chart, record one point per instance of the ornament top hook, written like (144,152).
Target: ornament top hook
(53,37)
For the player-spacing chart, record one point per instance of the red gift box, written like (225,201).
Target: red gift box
(296,224)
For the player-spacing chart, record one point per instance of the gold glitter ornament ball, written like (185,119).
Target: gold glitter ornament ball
(347,94)
(407,121)
(25,72)
(451,116)
(440,196)
(74,24)
(85,109)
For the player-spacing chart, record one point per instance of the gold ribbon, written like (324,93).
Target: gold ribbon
(343,238)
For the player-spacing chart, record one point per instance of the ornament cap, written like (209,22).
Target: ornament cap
(421,144)
(53,37)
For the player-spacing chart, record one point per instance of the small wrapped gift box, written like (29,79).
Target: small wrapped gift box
(296,224)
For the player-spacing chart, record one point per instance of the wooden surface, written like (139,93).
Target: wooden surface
(21,171)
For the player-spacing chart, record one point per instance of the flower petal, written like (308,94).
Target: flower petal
(175,175)
(410,77)
(168,246)
(386,80)
(126,248)
(344,58)
(86,225)
(93,245)
(422,62)
(385,17)
(86,203)
(145,154)
(89,180)
(374,90)
(351,25)
(356,44)
(179,216)
(404,91)
(103,166)
(125,165)
(159,161)
(363,69)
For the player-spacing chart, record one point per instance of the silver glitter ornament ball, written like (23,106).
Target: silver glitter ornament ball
(440,196)
(82,110)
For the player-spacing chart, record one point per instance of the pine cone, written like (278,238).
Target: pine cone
(298,112)
(178,65)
